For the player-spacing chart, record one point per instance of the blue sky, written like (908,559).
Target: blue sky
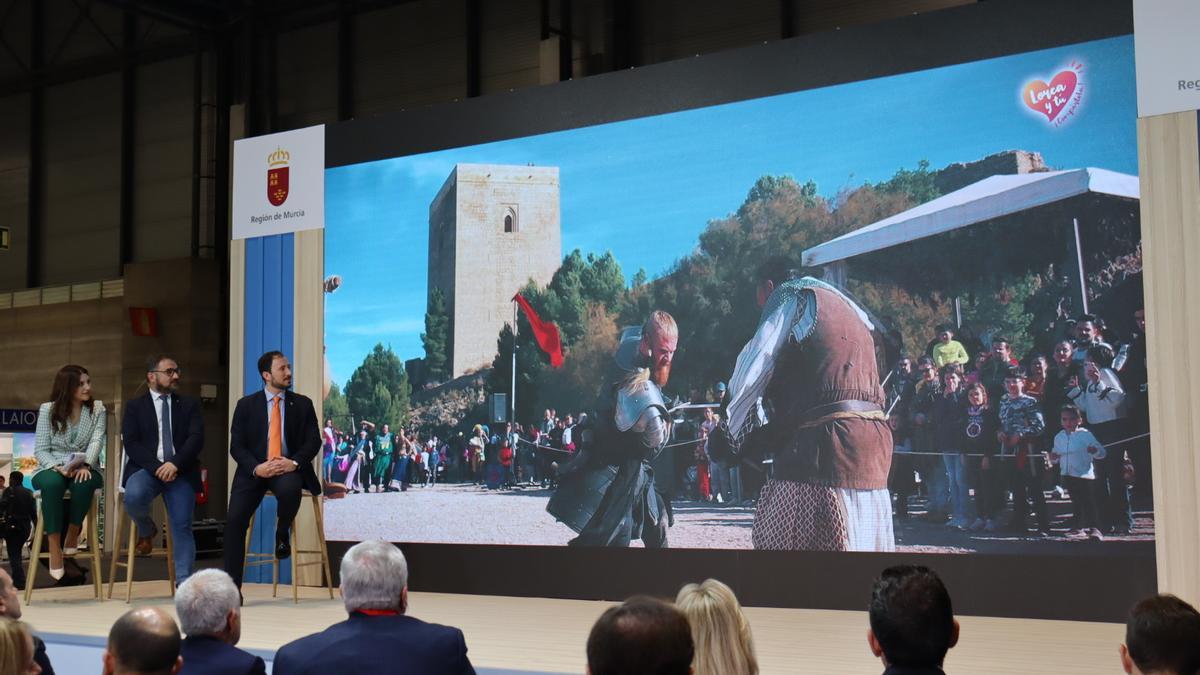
(671,174)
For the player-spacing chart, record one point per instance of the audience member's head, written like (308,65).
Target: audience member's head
(1162,637)
(16,478)
(927,369)
(143,642)
(374,576)
(10,598)
(1002,348)
(640,635)
(16,648)
(720,632)
(912,621)
(208,603)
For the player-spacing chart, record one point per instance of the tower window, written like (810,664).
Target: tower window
(510,219)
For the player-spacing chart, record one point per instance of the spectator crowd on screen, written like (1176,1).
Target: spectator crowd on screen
(993,435)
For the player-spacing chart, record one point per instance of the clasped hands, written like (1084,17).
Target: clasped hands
(167,472)
(274,467)
(80,475)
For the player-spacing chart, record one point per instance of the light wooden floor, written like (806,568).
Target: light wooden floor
(539,634)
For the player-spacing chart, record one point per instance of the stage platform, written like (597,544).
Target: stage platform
(508,635)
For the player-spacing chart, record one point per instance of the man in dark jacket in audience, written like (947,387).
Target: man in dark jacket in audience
(640,635)
(210,614)
(1162,636)
(375,591)
(143,640)
(912,621)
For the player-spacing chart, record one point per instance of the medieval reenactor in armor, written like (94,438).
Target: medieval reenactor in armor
(606,492)
(806,392)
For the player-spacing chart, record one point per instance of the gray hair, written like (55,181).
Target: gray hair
(374,572)
(204,600)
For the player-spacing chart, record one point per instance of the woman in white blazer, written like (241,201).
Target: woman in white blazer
(71,436)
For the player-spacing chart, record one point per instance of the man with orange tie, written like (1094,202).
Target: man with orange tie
(274,439)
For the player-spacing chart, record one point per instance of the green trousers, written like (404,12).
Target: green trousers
(381,469)
(54,487)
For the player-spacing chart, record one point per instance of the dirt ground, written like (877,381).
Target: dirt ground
(470,514)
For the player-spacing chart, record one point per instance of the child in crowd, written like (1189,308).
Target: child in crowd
(1021,428)
(1075,451)
(979,423)
(946,349)
(1101,398)
(976,371)
(1051,395)
(506,464)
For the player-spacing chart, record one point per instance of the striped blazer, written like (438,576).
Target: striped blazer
(88,436)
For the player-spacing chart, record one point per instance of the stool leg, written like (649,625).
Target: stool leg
(97,566)
(35,553)
(295,567)
(246,548)
(130,562)
(170,548)
(116,554)
(320,518)
(274,576)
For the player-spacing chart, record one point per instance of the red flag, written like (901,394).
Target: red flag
(545,332)
(144,321)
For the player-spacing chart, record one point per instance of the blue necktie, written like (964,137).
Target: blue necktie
(168,441)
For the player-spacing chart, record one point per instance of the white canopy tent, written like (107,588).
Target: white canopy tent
(991,198)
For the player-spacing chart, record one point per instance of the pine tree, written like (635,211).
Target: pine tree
(378,390)
(335,408)
(436,337)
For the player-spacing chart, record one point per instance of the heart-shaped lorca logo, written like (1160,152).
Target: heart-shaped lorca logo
(1050,99)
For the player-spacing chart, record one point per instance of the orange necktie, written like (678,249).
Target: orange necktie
(275,437)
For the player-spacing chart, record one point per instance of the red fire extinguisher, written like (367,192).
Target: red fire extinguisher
(202,496)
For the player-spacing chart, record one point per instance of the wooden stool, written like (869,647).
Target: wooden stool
(123,521)
(259,559)
(93,537)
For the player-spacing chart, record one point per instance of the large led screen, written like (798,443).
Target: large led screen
(899,314)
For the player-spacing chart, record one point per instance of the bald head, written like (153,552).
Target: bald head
(143,642)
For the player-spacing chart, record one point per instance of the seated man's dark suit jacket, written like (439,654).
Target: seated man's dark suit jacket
(410,645)
(250,428)
(139,435)
(206,655)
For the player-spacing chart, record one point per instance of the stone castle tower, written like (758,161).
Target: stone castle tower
(492,228)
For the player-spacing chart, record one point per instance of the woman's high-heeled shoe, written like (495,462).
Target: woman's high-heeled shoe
(57,574)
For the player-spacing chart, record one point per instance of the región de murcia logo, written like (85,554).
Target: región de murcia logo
(277,176)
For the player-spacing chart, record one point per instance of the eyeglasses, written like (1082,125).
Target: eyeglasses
(169,371)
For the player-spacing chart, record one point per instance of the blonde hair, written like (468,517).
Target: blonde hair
(720,631)
(15,651)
